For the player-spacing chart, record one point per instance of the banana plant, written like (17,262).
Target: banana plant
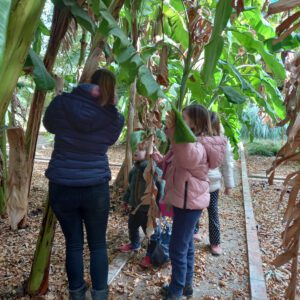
(126,55)
(18,23)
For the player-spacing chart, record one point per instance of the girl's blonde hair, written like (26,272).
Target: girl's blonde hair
(106,81)
(200,117)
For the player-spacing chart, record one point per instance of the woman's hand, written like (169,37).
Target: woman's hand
(170,119)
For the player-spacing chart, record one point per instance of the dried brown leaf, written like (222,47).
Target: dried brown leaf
(282,5)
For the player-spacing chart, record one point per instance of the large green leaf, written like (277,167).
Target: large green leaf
(212,53)
(128,58)
(4,16)
(201,93)
(229,115)
(80,15)
(183,134)
(223,12)
(146,85)
(276,99)
(213,49)
(262,27)
(271,100)
(37,42)
(95,6)
(176,25)
(289,43)
(251,44)
(233,95)
(178,5)
(41,77)
(233,70)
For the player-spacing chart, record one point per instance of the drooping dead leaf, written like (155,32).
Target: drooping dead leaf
(286,33)
(282,5)
(287,23)
(163,74)
(294,130)
(289,153)
(238,5)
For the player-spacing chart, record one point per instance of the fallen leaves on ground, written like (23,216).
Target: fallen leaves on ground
(269,216)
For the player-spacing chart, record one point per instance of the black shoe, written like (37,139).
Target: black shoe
(165,290)
(188,291)
(166,293)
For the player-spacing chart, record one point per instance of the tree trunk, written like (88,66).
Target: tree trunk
(38,279)
(98,44)
(119,182)
(3,172)
(17,185)
(84,44)
(132,100)
(60,23)
(130,119)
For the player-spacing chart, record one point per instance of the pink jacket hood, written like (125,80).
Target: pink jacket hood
(185,168)
(215,147)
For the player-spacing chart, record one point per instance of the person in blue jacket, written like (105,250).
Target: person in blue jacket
(85,123)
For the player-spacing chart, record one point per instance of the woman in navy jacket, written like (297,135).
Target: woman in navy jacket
(85,123)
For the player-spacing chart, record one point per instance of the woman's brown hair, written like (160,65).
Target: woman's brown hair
(215,123)
(200,118)
(106,81)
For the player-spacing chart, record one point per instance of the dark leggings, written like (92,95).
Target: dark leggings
(214,222)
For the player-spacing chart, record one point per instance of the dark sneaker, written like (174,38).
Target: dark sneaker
(188,291)
(165,292)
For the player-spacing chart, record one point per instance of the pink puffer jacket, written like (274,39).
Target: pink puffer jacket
(185,169)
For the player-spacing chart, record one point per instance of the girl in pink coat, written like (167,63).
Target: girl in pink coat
(185,169)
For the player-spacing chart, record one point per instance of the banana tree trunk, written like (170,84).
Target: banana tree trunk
(132,100)
(38,279)
(98,44)
(17,185)
(60,23)
(23,20)
(130,119)
(3,172)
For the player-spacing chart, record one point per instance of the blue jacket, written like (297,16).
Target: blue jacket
(83,132)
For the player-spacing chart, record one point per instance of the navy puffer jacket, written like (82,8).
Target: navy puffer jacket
(83,132)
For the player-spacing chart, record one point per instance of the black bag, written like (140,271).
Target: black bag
(160,254)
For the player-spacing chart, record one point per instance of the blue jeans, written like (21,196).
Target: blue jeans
(182,249)
(140,219)
(73,207)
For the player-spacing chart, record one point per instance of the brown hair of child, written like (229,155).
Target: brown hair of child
(215,123)
(200,119)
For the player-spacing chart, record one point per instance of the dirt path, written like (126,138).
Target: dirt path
(224,277)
